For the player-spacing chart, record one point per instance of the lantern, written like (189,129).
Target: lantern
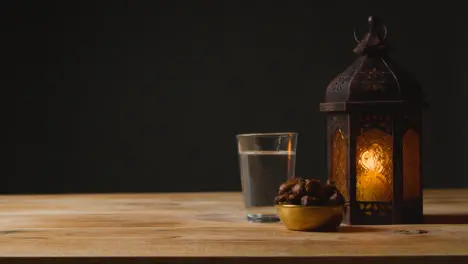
(374,134)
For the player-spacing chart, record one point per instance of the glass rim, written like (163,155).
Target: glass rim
(268,134)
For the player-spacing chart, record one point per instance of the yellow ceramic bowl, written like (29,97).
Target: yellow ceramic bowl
(310,218)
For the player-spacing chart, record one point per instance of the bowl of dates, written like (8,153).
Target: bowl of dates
(309,205)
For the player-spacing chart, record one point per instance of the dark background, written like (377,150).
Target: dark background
(114,96)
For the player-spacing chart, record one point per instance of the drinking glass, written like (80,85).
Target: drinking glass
(266,160)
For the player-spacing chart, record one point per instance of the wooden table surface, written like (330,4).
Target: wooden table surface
(211,227)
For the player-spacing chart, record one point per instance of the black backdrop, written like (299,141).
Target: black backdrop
(114,96)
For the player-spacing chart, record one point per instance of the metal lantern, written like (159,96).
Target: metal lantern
(374,135)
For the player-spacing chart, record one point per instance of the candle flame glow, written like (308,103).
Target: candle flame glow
(374,166)
(374,158)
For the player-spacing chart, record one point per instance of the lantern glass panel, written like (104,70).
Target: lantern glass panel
(338,161)
(411,166)
(374,166)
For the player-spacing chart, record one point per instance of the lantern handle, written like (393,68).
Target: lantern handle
(355,37)
(359,42)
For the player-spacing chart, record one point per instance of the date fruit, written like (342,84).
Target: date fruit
(313,187)
(310,201)
(299,188)
(308,192)
(287,186)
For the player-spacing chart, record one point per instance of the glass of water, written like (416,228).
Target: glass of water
(266,160)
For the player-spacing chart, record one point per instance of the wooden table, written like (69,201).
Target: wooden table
(211,227)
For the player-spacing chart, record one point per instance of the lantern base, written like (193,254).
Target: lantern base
(369,213)
(380,213)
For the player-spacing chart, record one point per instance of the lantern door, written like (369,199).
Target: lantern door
(372,172)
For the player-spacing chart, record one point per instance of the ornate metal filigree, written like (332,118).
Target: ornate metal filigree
(375,209)
(375,80)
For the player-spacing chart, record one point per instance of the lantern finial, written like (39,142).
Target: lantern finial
(373,43)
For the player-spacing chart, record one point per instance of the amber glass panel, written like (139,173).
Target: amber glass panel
(374,166)
(338,161)
(411,169)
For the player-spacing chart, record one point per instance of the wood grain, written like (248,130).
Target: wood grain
(211,227)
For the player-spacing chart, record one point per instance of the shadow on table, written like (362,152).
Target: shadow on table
(446,219)
(356,229)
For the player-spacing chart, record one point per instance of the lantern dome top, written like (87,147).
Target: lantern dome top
(373,78)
